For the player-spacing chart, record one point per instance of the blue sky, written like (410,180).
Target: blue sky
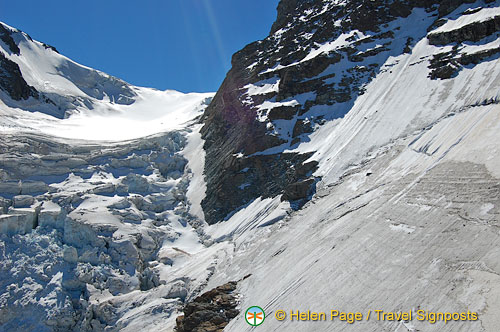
(184,45)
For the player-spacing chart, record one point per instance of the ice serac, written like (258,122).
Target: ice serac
(317,60)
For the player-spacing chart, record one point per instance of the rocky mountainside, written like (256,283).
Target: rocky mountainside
(317,60)
(396,103)
(349,161)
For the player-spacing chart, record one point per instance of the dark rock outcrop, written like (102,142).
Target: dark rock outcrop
(248,177)
(473,32)
(6,37)
(12,81)
(211,311)
(298,190)
(446,65)
(47,46)
(449,64)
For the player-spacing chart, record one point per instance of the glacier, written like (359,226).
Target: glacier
(103,225)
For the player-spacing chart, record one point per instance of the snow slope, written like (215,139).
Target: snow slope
(406,212)
(86,103)
(413,226)
(384,113)
(152,112)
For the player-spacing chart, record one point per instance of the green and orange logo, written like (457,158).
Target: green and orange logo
(255,316)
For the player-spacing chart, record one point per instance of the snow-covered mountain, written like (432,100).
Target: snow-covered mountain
(94,183)
(349,161)
(311,76)
(36,79)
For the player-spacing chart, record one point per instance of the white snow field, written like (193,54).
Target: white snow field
(102,227)
(102,107)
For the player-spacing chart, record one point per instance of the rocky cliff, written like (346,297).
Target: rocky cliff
(402,102)
(317,60)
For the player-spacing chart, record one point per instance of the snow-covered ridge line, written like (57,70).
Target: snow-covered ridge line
(90,104)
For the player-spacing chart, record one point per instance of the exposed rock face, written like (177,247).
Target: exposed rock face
(211,311)
(12,81)
(6,37)
(471,32)
(447,64)
(298,190)
(283,87)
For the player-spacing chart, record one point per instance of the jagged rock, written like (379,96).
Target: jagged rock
(6,37)
(283,112)
(126,258)
(235,127)
(473,32)
(211,311)
(265,175)
(50,47)
(302,127)
(447,65)
(298,190)
(12,81)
